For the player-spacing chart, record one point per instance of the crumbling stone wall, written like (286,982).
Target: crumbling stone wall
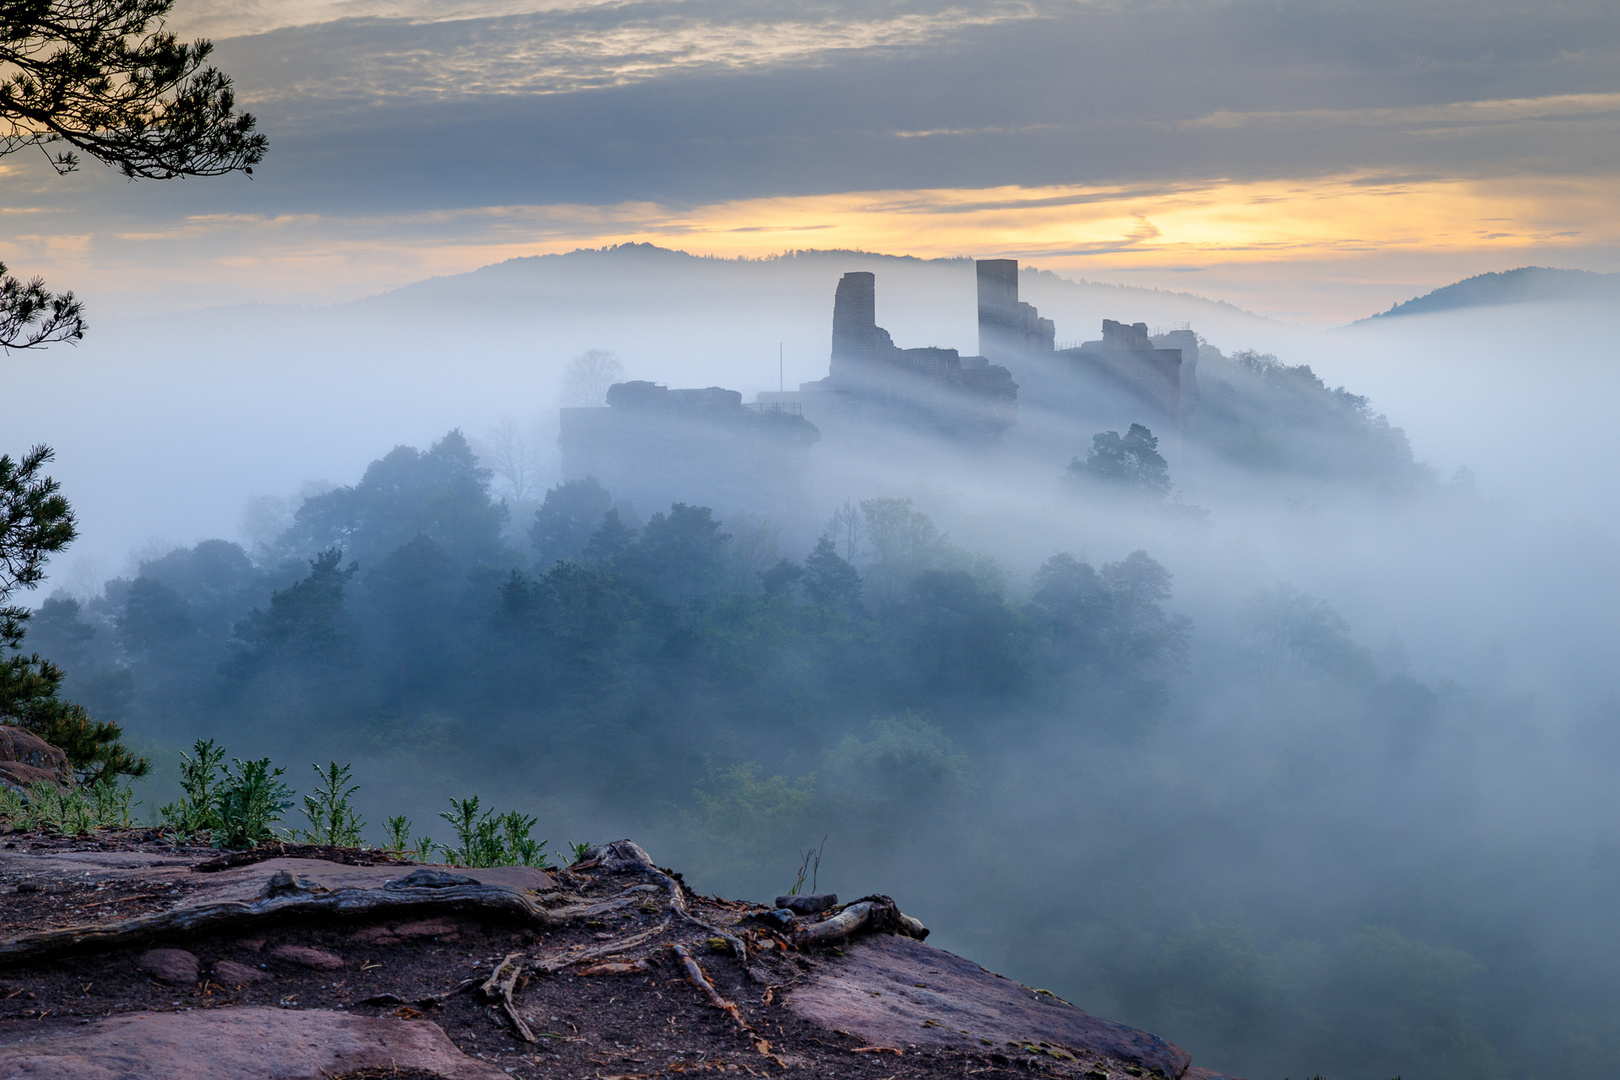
(940,387)
(1008,328)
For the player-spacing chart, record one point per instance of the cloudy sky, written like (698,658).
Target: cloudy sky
(1314,160)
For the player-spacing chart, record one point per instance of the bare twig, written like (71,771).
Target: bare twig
(696,976)
(498,988)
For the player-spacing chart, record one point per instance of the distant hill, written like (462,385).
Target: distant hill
(693,320)
(1528,284)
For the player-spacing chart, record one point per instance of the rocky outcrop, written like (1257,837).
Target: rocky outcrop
(253,1043)
(26,760)
(151,960)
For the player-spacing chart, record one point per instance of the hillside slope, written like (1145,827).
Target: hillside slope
(1526,285)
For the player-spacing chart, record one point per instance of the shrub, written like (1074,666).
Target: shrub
(72,811)
(252,799)
(198,810)
(488,839)
(332,819)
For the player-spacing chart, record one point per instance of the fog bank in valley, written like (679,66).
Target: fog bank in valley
(1303,765)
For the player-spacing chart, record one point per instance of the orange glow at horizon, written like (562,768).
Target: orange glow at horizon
(1298,248)
(1223,222)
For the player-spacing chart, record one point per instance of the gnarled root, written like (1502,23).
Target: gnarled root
(498,988)
(300,903)
(872,914)
(628,855)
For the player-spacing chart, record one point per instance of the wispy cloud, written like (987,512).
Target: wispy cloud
(1457,114)
(1242,233)
(475,49)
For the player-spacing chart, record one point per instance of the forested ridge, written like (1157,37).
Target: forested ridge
(661,640)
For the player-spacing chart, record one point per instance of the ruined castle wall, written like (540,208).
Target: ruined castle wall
(1008,328)
(653,446)
(1127,356)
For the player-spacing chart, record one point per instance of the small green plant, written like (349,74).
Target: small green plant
(113,804)
(578,851)
(47,807)
(400,843)
(463,818)
(519,846)
(78,814)
(13,808)
(332,818)
(488,839)
(73,811)
(200,777)
(252,799)
(399,834)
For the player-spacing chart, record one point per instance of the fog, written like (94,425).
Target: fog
(1355,816)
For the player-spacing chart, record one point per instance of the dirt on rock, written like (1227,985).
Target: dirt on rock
(608,969)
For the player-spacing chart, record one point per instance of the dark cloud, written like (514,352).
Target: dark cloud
(705,101)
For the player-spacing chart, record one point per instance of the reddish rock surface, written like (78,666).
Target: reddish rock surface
(230,973)
(170,965)
(441,929)
(241,1044)
(307,957)
(26,759)
(625,976)
(893,991)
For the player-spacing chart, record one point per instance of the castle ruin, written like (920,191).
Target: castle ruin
(1159,371)
(649,440)
(870,375)
(1008,328)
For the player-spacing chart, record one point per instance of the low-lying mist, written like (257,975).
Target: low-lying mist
(1303,764)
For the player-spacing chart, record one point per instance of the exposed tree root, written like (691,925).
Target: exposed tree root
(698,978)
(342,903)
(627,855)
(554,964)
(873,914)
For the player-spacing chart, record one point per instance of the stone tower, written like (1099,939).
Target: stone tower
(1008,328)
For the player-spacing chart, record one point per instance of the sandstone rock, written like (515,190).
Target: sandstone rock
(808,905)
(307,956)
(230,973)
(26,759)
(231,1044)
(170,965)
(426,928)
(895,991)
(393,935)
(374,935)
(617,856)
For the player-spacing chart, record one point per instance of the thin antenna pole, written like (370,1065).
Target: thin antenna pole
(781,379)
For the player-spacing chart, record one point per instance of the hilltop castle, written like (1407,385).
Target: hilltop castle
(870,376)
(648,436)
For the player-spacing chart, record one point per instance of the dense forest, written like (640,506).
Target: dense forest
(396,607)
